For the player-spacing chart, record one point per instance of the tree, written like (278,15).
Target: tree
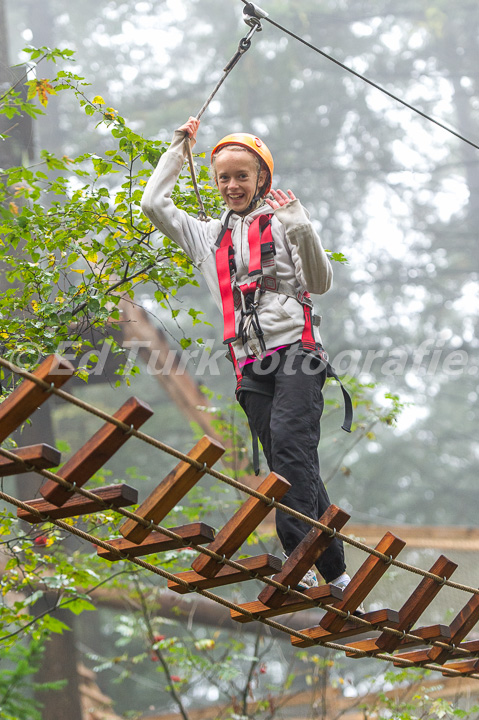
(357,156)
(79,255)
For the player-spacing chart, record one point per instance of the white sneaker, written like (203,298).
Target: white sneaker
(309,580)
(341,582)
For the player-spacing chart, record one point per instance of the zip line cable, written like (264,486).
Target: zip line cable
(244,45)
(253,10)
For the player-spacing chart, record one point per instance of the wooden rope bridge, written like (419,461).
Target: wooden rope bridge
(443,648)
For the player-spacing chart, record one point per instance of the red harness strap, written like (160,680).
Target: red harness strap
(307,338)
(259,234)
(225,267)
(260,241)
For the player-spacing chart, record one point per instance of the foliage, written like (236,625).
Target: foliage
(409,698)
(73,238)
(392,294)
(16,684)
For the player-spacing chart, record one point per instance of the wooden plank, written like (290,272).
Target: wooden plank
(172,489)
(368,575)
(304,556)
(379,618)
(462,624)
(324,594)
(241,525)
(419,657)
(96,451)
(472,646)
(28,396)
(458,629)
(261,565)
(427,634)
(416,604)
(465,667)
(39,456)
(412,609)
(116,495)
(198,533)
(119,495)
(430,633)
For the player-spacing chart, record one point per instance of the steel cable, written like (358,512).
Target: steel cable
(363,78)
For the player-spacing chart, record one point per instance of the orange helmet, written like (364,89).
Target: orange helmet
(256,146)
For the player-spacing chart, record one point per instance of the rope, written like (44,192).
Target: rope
(219,558)
(191,587)
(244,45)
(154,526)
(367,80)
(137,518)
(220,476)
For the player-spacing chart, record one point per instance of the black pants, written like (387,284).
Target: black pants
(288,426)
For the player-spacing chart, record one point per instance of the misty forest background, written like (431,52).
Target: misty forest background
(397,195)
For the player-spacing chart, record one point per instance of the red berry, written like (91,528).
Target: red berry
(41,540)
(176,678)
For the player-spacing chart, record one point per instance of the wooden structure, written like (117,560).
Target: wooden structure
(442,647)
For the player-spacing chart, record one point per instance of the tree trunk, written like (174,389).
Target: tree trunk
(59,663)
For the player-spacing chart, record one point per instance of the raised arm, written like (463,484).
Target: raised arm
(309,256)
(190,233)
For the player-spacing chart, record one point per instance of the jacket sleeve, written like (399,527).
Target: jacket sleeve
(309,257)
(191,234)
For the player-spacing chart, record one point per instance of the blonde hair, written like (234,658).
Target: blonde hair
(237,148)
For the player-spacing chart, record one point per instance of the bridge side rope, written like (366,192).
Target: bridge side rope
(446,648)
(253,10)
(219,476)
(54,371)
(226,603)
(124,555)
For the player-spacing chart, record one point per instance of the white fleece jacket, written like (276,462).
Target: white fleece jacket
(300,257)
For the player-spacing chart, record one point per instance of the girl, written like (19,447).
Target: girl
(260,261)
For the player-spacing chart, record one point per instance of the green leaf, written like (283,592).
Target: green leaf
(54,625)
(78,605)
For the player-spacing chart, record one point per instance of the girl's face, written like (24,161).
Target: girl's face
(236,173)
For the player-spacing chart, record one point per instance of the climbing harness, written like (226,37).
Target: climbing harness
(252,17)
(262,268)
(246,298)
